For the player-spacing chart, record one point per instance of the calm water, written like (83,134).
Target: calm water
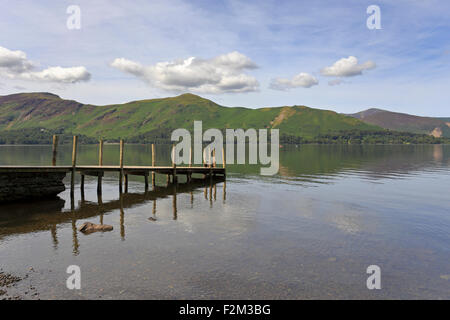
(309,232)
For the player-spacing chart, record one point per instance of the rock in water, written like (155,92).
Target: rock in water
(89,227)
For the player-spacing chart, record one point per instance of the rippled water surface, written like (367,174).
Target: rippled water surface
(309,232)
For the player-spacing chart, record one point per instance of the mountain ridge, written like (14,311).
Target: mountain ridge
(153,119)
(28,110)
(404,122)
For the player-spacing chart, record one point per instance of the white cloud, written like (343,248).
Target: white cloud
(59,75)
(14,61)
(224,73)
(303,79)
(15,65)
(347,67)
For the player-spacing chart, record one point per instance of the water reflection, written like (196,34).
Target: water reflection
(49,214)
(331,212)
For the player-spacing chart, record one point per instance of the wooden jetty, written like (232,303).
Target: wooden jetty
(207,169)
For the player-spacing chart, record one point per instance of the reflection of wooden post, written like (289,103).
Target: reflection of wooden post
(146,181)
(122,219)
(224,191)
(54,236)
(174,202)
(100,206)
(153,164)
(74,162)
(75,245)
(100,163)
(121,166)
(210,191)
(55,145)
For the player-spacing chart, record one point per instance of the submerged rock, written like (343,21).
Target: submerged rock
(89,227)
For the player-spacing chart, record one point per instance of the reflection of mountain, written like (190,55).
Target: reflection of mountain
(46,215)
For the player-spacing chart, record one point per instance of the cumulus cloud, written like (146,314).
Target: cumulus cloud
(347,67)
(303,79)
(224,73)
(15,65)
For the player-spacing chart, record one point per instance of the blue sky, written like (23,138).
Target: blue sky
(245,53)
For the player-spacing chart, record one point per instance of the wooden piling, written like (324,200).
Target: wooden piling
(121,166)
(100,153)
(74,162)
(54,149)
(209,161)
(209,157)
(82,184)
(146,182)
(190,157)
(100,163)
(174,165)
(223,158)
(153,164)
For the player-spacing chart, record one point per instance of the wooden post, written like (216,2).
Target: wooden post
(121,166)
(153,164)
(209,162)
(54,149)
(100,153)
(190,157)
(214,158)
(223,158)
(100,163)
(209,157)
(74,162)
(174,165)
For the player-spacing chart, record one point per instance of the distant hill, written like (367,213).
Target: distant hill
(158,117)
(437,127)
(34,117)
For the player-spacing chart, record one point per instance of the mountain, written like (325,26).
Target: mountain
(28,112)
(437,127)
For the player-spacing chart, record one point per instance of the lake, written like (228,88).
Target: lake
(309,232)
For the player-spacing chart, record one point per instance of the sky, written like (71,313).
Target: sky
(321,54)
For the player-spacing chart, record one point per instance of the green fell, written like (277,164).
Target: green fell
(154,120)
